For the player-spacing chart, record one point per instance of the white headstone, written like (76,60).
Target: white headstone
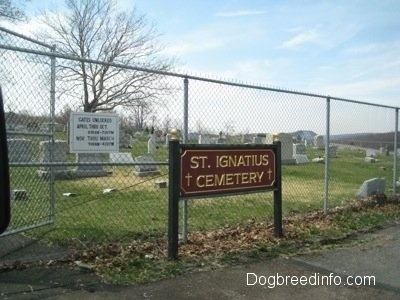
(204,139)
(151,145)
(121,157)
(319,142)
(167,138)
(370,152)
(299,153)
(286,140)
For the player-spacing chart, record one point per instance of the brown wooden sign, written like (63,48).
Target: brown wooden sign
(218,170)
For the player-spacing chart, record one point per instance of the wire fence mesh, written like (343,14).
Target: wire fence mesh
(108,197)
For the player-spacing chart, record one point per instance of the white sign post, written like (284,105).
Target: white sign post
(93,133)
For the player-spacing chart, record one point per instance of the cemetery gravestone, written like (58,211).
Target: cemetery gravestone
(384,151)
(204,139)
(286,140)
(167,138)
(121,158)
(145,169)
(151,145)
(299,153)
(87,170)
(257,140)
(246,139)
(332,150)
(60,150)
(319,142)
(125,139)
(19,150)
(374,186)
(221,139)
(370,153)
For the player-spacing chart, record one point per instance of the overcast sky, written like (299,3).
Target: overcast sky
(342,48)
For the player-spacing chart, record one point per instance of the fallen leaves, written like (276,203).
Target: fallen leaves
(302,230)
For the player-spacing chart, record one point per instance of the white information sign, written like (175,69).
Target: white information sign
(93,133)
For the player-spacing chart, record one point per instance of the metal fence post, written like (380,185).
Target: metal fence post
(327,141)
(185,141)
(395,149)
(173,195)
(278,232)
(185,109)
(52,131)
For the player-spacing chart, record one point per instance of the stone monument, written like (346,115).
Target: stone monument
(58,155)
(319,142)
(286,140)
(19,150)
(373,186)
(299,153)
(151,144)
(85,169)
(144,169)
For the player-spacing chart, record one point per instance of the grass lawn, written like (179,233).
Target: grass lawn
(139,208)
(123,233)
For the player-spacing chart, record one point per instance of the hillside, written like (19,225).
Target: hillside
(366,140)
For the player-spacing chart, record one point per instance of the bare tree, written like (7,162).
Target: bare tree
(229,128)
(95,29)
(9,11)
(139,113)
(166,124)
(63,116)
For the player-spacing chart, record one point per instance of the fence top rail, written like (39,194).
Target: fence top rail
(56,54)
(364,103)
(29,39)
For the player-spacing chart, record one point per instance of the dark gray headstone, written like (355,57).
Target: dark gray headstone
(89,170)
(19,150)
(145,169)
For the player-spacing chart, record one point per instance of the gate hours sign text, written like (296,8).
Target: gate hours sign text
(93,133)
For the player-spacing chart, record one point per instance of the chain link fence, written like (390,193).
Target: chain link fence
(330,146)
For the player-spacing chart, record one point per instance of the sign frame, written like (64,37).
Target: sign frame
(175,179)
